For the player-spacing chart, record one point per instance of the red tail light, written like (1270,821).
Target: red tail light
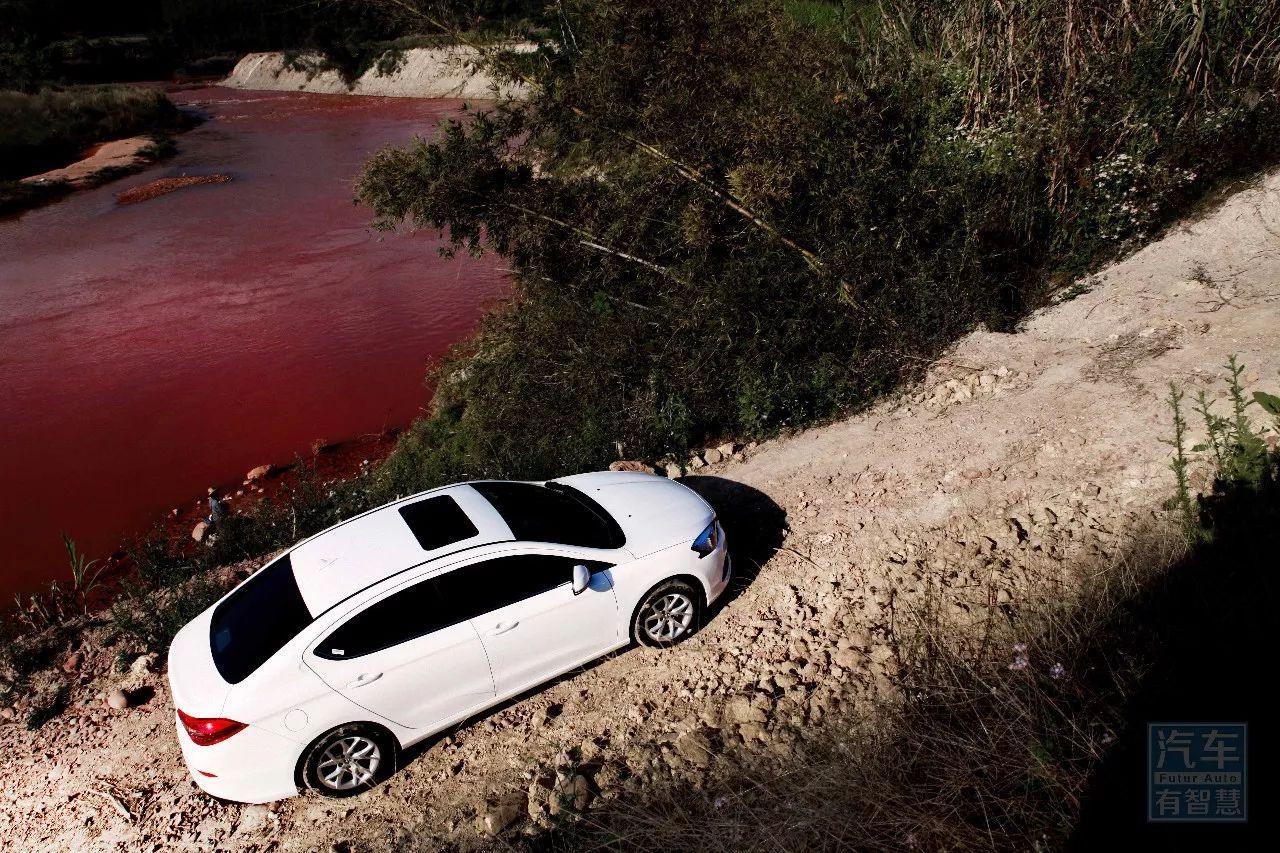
(208,731)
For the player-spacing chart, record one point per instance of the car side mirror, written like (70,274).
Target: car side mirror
(581,578)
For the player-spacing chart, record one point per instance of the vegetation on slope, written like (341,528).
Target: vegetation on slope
(732,217)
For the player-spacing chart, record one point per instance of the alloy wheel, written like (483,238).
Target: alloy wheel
(348,763)
(669,617)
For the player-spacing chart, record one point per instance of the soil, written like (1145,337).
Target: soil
(1031,456)
(109,157)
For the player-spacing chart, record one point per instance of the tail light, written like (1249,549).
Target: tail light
(206,731)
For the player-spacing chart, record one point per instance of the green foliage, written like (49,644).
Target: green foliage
(149,622)
(1243,463)
(723,221)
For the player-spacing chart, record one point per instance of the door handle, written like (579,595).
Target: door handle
(362,680)
(502,628)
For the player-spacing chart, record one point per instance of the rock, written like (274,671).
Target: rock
(143,664)
(727,449)
(262,472)
(497,817)
(253,818)
(696,462)
(7,714)
(740,710)
(72,662)
(118,700)
(631,465)
(752,731)
(198,533)
(695,747)
(847,658)
(712,455)
(571,792)
(673,471)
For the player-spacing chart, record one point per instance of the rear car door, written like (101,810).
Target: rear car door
(407,657)
(524,610)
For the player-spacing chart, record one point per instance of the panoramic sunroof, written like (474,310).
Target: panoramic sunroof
(437,522)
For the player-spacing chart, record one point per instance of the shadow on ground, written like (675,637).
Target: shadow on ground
(1212,632)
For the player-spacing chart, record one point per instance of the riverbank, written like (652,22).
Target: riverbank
(1020,464)
(59,140)
(437,72)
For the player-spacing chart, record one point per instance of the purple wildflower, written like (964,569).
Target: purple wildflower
(1057,670)
(1019,663)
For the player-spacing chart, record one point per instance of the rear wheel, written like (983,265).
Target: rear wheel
(671,612)
(348,760)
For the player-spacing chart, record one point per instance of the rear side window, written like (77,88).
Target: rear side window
(553,513)
(255,621)
(396,619)
(437,522)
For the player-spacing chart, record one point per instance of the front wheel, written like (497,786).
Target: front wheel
(348,760)
(671,612)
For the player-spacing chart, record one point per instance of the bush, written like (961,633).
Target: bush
(729,218)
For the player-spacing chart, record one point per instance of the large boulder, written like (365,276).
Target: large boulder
(262,472)
(631,465)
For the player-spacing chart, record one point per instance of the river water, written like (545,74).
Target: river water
(151,350)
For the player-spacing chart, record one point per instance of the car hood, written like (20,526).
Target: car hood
(653,512)
(197,686)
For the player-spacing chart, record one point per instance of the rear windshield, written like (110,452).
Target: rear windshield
(256,620)
(553,513)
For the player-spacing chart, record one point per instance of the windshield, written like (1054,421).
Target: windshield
(553,513)
(255,621)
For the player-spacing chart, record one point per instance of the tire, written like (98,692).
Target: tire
(349,760)
(669,613)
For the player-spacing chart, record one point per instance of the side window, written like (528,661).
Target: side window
(484,587)
(398,618)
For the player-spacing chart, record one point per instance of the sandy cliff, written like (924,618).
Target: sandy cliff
(446,72)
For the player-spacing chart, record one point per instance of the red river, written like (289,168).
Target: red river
(151,350)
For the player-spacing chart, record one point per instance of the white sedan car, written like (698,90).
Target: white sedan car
(385,629)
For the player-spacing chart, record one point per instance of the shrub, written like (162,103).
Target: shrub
(726,218)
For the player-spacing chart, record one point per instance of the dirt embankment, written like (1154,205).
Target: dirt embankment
(1021,456)
(444,72)
(114,157)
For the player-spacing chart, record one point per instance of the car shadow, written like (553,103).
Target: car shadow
(754,526)
(753,523)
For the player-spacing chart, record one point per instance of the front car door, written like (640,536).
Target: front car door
(532,625)
(408,658)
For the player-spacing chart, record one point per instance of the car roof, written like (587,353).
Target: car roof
(349,557)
